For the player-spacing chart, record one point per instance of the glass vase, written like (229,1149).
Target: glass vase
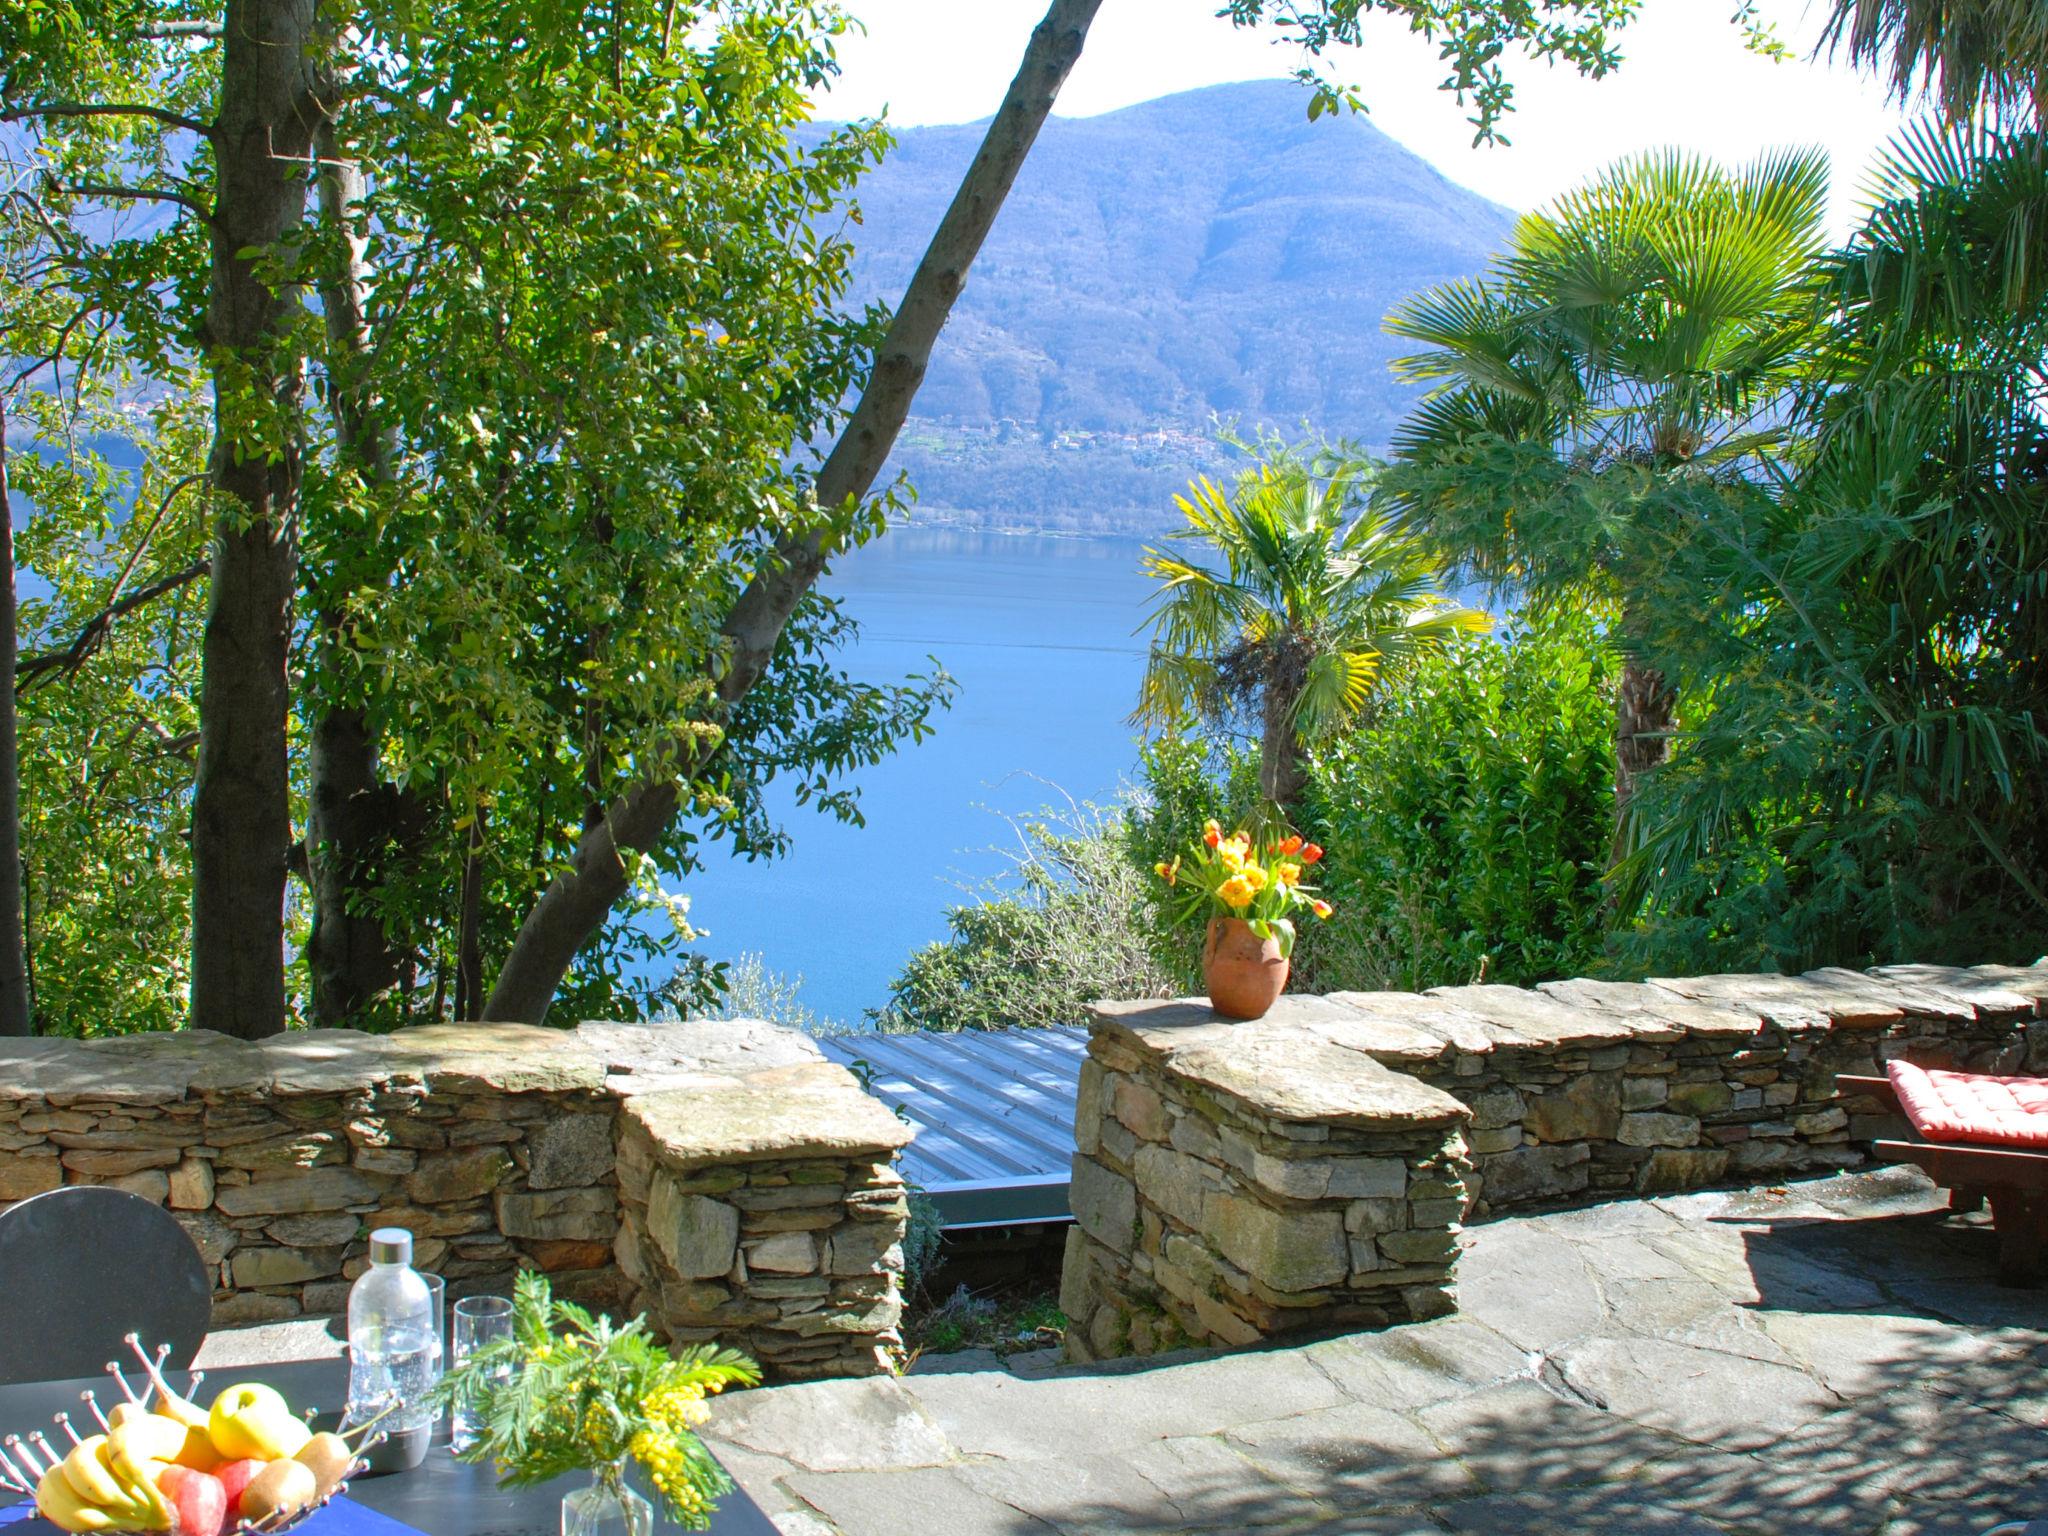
(608,1507)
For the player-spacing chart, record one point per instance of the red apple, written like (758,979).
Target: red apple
(199,1498)
(233,1478)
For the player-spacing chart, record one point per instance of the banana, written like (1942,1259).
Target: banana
(141,1440)
(60,1504)
(138,1481)
(86,1470)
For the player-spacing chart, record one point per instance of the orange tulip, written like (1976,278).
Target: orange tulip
(1289,845)
(1320,908)
(1311,852)
(1211,833)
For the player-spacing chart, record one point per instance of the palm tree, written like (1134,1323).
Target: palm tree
(1318,602)
(1970,56)
(1638,338)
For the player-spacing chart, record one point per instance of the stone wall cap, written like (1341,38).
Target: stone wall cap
(144,1069)
(2030,980)
(1654,1006)
(1282,1066)
(1516,1018)
(506,1058)
(642,1058)
(1918,1001)
(1794,1003)
(1995,991)
(1407,1027)
(810,1110)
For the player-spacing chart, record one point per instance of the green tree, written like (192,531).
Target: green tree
(219,122)
(1968,56)
(1640,337)
(1318,604)
(1868,783)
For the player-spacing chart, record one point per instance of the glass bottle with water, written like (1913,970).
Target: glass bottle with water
(394,1351)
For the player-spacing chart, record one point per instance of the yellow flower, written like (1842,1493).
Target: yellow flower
(1231,857)
(1236,892)
(1288,875)
(1254,877)
(669,1471)
(1320,908)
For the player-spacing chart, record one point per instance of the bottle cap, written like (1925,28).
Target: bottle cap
(391,1245)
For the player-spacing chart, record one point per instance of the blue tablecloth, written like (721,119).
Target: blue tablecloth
(343,1517)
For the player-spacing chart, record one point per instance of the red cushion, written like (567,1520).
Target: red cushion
(1973,1106)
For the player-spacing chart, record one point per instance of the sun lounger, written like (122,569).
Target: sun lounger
(1985,1140)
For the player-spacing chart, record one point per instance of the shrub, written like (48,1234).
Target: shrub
(1065,926)
(1470,825)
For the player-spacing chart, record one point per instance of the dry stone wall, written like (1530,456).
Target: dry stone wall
(1233,1182)
(1212,1159)
(499,1147)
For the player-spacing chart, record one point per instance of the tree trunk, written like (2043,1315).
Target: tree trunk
(1645,712)
(355,821)
(577,903)
(241,806)
(1283,768)
(469,960)
(16,1012)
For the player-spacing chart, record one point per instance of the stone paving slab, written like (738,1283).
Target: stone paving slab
(1824,1357)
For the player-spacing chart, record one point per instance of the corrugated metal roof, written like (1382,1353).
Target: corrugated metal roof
(994,1111)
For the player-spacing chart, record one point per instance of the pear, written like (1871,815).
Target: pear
(282,1488)
(170,1404)
(330,1458)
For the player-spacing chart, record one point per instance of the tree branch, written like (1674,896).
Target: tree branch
(107,109)
(111,192)
(157,30)
(71,657)
(580,899)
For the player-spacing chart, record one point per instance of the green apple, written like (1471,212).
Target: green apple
(250,1420)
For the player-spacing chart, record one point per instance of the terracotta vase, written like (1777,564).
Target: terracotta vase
(1245,973)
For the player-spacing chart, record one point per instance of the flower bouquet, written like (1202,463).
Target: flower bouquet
(568,1391)
(1247,891)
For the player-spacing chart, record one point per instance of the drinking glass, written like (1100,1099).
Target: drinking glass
(479,1320)
(437,1288)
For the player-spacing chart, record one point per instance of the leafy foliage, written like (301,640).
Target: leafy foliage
(1868,784)
(1658,318)
(1968,56)
(1468,828)
(568,1391)
(1062,929)
(603,291)
(1317,604)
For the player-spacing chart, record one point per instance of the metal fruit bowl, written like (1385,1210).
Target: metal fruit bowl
(26,1458)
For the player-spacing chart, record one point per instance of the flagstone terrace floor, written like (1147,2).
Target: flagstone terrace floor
(1828,1357)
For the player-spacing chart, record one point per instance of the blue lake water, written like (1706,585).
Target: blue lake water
(1039,634)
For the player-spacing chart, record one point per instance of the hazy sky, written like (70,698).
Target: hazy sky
(1686,80)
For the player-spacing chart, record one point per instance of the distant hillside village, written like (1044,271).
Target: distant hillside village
(1207,256)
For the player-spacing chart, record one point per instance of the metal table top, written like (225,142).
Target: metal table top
(442,1497)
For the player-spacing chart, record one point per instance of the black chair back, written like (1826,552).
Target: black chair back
(83,1266)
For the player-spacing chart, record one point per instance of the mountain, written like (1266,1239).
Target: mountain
(1212,252)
